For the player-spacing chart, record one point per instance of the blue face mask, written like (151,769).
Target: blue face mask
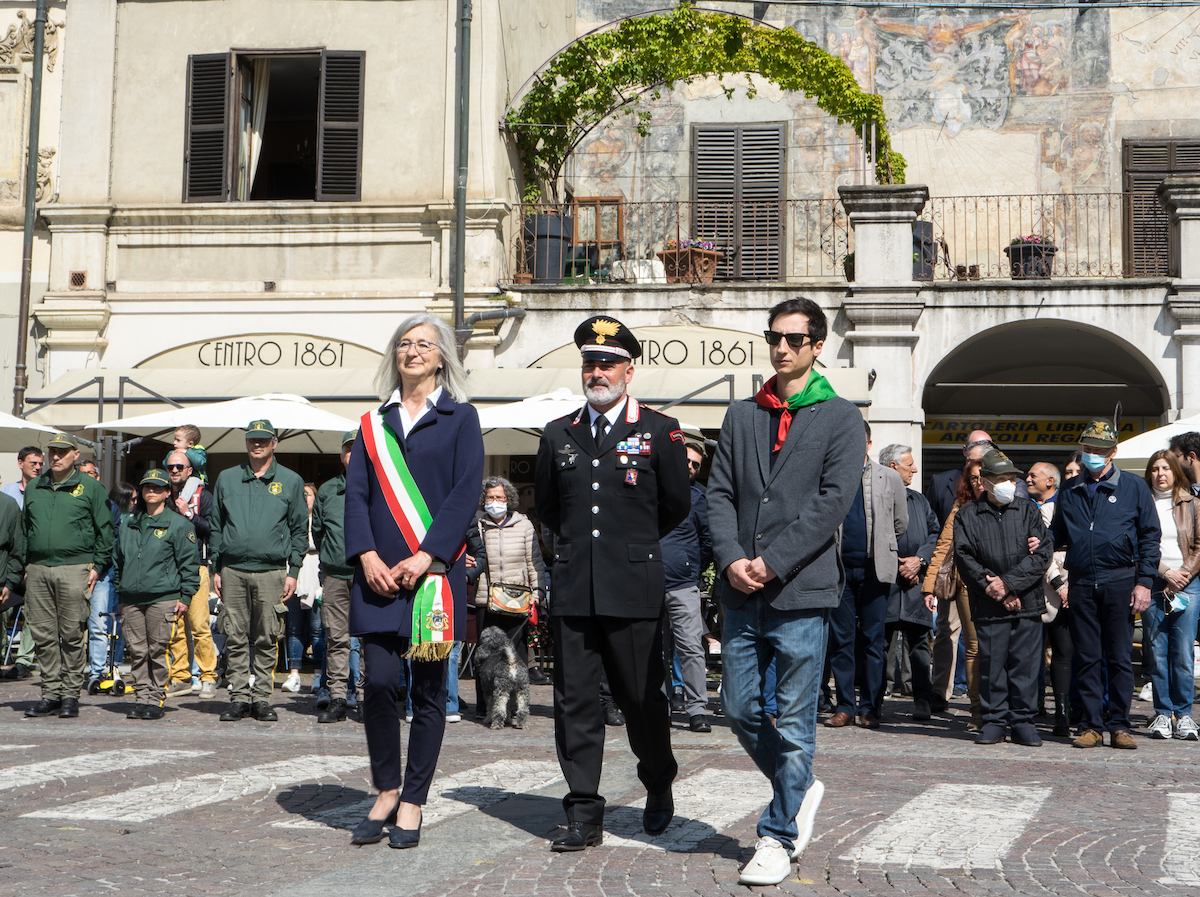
(1094,463)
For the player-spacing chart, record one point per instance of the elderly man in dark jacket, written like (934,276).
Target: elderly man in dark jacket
(906,610)
(1001,551)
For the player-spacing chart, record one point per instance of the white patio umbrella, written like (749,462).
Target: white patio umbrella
(16,433)
(1134,452)
(302,426)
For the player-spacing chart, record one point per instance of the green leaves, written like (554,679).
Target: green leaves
(609,71)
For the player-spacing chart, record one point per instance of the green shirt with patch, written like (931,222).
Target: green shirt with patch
(259,523)
(157,559)
(67,522)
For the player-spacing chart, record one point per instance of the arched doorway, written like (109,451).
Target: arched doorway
(1032,385)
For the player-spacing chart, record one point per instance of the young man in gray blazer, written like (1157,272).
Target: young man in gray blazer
(785,472)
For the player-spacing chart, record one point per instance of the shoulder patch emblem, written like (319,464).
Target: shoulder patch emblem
(275,488)
(191,535)
(677,435)
(77,491)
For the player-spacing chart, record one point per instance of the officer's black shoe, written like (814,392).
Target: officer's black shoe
(677,705)
(264,712)
(613,716)
(579,835)
(237,710)
(138,712)
(660,808)
(45,707)
(334,713)
(699,723)
(154,711)
(69,709)
(18,671)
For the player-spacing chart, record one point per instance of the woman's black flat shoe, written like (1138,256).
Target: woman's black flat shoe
(370,831)
(404,837)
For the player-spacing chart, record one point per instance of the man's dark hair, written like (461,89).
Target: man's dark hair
(29,450)
(818,327)
(867,427)
(1186,443)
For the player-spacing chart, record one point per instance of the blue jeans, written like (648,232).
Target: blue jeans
(1170,637)
(755,634)
(104,601)
(304,623)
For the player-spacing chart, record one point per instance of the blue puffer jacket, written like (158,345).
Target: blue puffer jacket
(1110,532)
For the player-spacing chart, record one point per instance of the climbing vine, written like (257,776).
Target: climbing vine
(610,70)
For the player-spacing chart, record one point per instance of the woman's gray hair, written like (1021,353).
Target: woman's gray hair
(451,376)
(510,492)
(890,454)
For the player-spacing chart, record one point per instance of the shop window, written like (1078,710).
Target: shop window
(737,197)
(1146,164)
(278,125)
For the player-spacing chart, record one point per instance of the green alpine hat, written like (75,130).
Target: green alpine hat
(1099,433)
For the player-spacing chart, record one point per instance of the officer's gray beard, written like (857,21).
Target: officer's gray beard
(601,394)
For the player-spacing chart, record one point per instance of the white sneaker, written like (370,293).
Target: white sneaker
(208,690)
(1147,693)
(195,685)
(1161,726)
(1185,728)
(769,866)
(807,816)
(453,717)
(291,683)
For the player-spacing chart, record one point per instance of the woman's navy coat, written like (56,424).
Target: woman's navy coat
(444,452)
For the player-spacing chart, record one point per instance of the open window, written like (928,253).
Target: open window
(274,125)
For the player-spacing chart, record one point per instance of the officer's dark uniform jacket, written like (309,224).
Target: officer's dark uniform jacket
(609,506)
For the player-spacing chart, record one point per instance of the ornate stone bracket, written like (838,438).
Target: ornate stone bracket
(73,321)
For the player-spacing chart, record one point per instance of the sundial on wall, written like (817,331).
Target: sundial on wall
(1168,37)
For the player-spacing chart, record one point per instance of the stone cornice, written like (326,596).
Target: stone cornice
(884,202)
(1180,197)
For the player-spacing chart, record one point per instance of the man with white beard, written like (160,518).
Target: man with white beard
(612,479)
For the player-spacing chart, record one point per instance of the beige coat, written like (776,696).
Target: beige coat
(513,555)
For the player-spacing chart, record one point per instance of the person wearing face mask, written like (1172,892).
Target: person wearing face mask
(511,555)
(1107,523)
(1001,553)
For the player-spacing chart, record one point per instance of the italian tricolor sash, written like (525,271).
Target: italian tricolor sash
(433,607)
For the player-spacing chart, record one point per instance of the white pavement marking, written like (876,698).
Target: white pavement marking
(475,789)
(705,804)
(952,827)
(1181,856)
(16,747)
(152,801)
(85,765)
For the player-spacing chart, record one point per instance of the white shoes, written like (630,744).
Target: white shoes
(1147,692)
(208,690)
(1161,727)
(807,816)
(291,683)
(1185,729)
(453,717)
(769,866)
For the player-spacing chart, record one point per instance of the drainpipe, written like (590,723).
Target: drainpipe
(462,334)
(20,381)
(463,112)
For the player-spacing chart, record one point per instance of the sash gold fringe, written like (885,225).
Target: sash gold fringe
(430,651)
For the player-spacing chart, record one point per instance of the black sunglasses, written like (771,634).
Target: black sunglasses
(176,467)
(795,340)
(695,464)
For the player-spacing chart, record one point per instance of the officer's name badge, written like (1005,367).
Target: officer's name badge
(634,445)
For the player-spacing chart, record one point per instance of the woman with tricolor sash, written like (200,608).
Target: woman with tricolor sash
(412,487)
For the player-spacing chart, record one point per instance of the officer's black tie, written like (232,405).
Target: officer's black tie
(601,429)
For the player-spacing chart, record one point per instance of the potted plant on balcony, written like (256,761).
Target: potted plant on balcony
(690,261)
(1031,257)
(848,266)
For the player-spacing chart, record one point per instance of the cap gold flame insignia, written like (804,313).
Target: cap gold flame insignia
(604,329)
(1100,429)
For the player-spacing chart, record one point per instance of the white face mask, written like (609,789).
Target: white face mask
(496,509)
(1004,492)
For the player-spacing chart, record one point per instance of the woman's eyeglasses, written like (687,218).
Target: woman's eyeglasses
(423,346)
(795,340)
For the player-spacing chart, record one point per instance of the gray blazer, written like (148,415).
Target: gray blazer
(889,519)
(789,514)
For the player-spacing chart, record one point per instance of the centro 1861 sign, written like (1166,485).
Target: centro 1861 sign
(683,347)
(266,350)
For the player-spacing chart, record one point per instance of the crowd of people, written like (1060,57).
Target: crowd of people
(831,575)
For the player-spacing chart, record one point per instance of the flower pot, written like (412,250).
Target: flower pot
(1031,261)
(690,265)
(848,269)
(522,278)
(547,245)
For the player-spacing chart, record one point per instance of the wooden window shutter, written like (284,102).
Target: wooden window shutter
(339,137)
(1148,251)
(737,193)
(206,143)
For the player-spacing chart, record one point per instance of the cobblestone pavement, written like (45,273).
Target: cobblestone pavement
(192,806)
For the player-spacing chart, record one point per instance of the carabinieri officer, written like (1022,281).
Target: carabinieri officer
(612,480)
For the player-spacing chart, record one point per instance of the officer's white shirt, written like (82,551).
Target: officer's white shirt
(406,422)
(612,415)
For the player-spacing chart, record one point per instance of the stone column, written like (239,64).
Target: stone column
(884,307)
(1181,199)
